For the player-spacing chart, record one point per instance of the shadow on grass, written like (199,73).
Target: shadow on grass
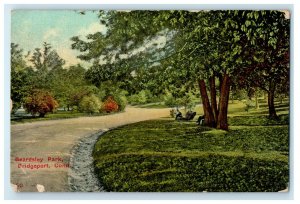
(173,156)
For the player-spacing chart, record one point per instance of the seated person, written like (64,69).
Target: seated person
(200,120)
(178,115)
(190,115)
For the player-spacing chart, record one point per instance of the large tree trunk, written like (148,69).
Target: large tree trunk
(208,113)
(213,97)
(223,104)
(271,95)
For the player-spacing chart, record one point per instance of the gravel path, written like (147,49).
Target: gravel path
(81,176)
(50,144)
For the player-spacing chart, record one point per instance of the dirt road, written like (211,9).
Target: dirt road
(40,151)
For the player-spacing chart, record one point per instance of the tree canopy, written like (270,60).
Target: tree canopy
(207,48)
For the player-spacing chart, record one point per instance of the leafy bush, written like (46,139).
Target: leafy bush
(110,105)
(140,98)
(133,99)
(172,113)
(77,94)
(121,101)
(74,108)
(41,102)
(90,104)
(238,94)
(149,96)
(249,104)
(170,100)
(112,89)
(188,101)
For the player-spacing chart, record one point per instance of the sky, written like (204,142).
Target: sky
(30,28)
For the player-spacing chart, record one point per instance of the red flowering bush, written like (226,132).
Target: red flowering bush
(110,105)
(40,102)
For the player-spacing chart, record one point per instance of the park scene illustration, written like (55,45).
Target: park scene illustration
(150,100)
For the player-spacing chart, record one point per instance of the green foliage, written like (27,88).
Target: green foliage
(81,91)
(249,104)
(170,100)
(69,85)
(173,156)
(44,60)
(239,94)
(252,47)
(188,100)
(90,104)
(142,97)
(41,102)
(121,101)
(20,77)
(109,88)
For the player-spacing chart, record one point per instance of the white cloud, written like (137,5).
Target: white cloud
(68,55)
(91,29)
(159,42)
(50,34)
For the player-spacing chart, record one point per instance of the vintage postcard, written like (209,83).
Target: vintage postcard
(150,100)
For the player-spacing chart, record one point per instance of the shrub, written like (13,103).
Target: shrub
(112,89)
(140,98)
(90,104)
(172,113)
(188,101)
(110,105)
(133,99)
(74,108)
(41,102)
(121,101)
(170,100)
(249,104)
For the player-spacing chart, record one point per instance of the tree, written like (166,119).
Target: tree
(267,55)
(21,77)
(203,47)
(41,102)
(44,60)
(68,84)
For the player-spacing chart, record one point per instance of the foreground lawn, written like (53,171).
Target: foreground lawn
(167,155)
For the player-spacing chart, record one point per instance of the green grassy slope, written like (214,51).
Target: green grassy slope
(167,155)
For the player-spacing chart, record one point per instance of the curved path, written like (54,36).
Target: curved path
(52,142)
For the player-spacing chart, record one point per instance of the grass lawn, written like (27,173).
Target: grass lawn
(173,156)
(153,105)
(54,116)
